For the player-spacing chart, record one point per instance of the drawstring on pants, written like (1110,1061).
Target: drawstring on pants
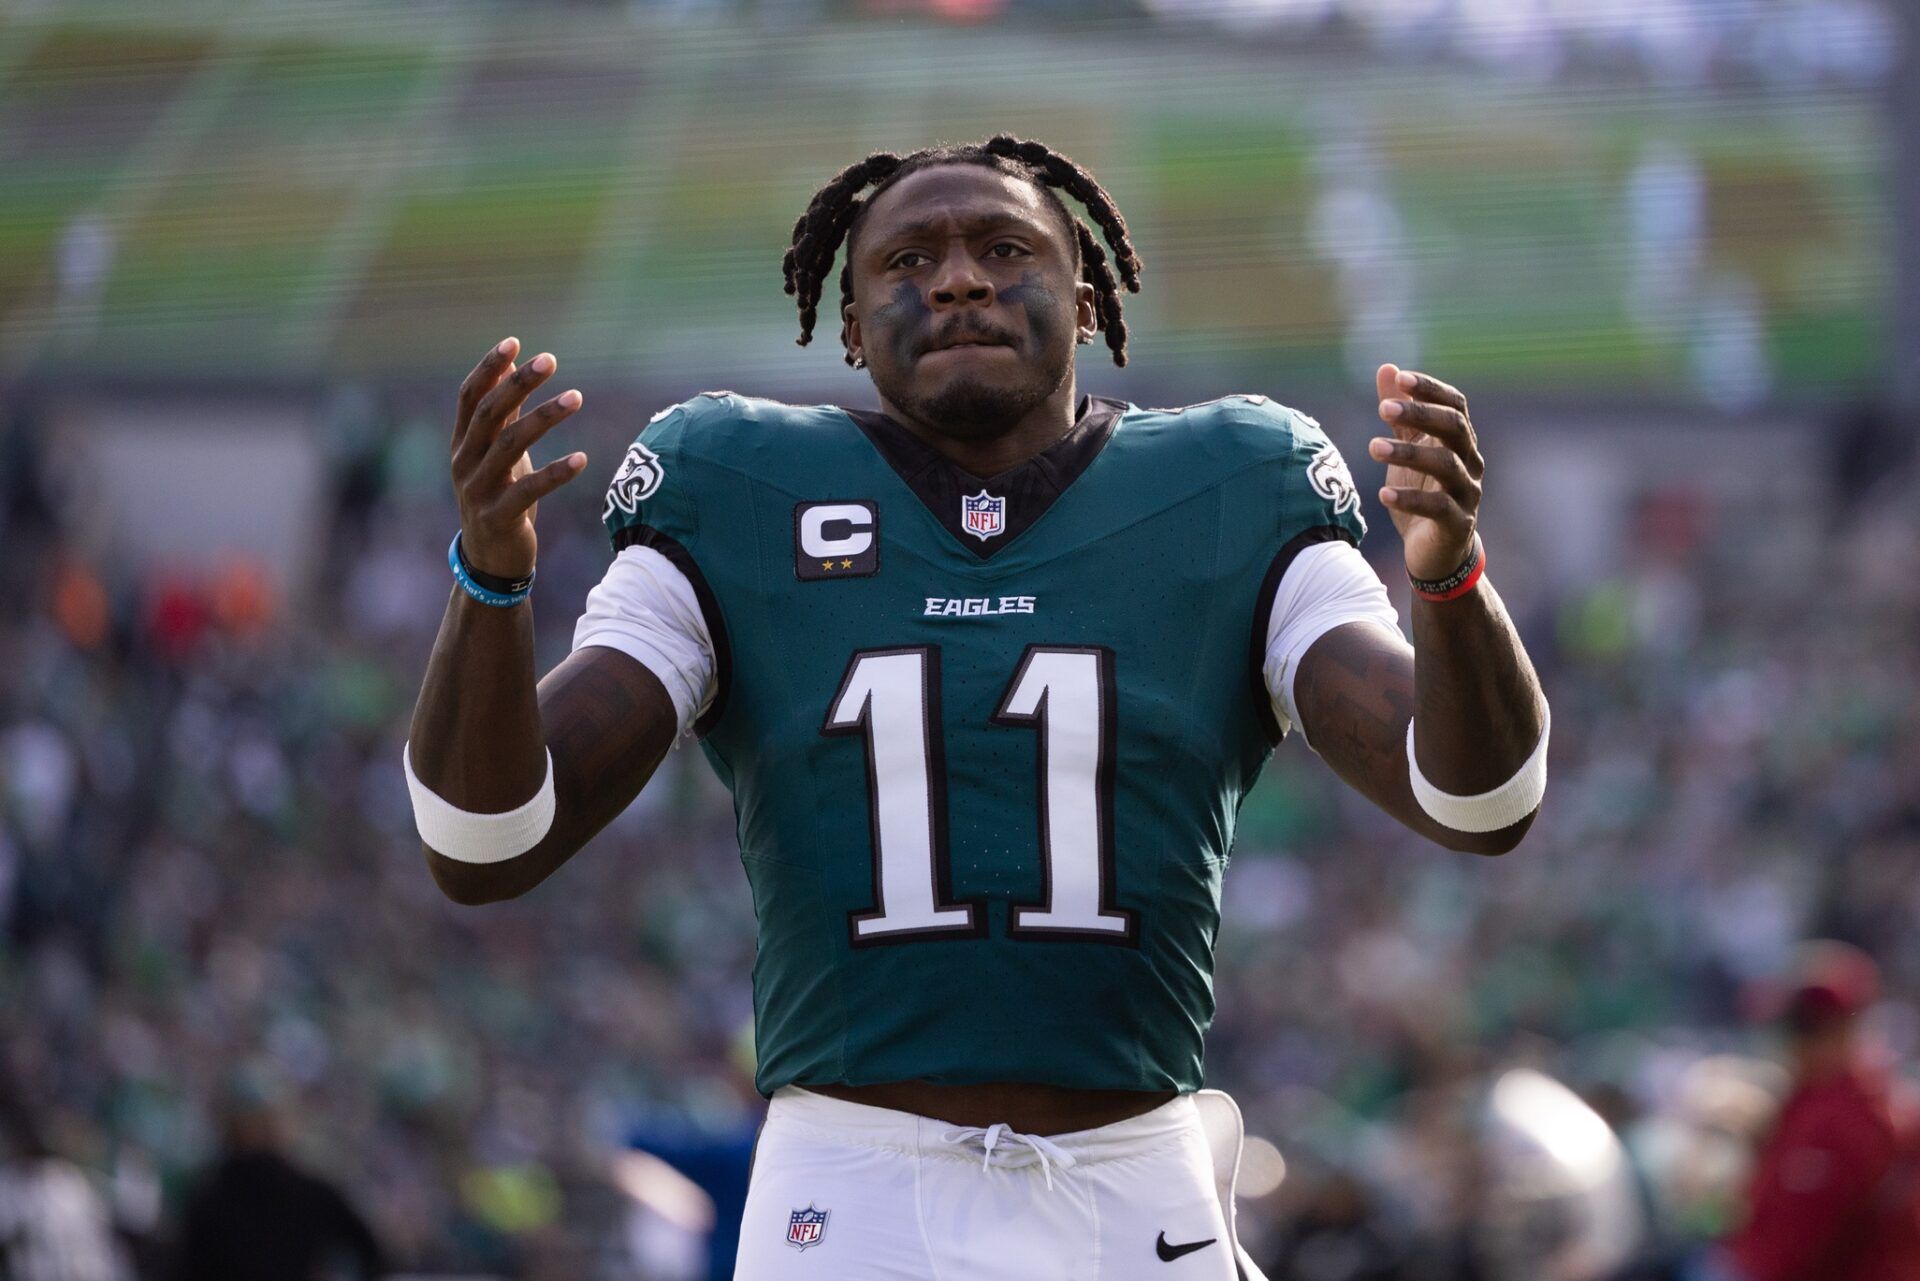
(998,1137)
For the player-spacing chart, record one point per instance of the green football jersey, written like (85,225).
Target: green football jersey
(986,738)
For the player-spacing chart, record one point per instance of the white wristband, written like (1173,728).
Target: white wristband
(478,838)
(1504,806)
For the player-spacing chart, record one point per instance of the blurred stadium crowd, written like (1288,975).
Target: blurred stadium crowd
(1668,41)
(210,891)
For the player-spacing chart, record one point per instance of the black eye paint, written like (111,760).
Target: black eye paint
(904,321)
(1040,303)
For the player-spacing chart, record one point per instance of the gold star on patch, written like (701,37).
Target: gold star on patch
(826,564)
(846,564)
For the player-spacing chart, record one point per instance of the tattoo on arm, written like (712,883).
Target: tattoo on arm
(591,710)
(1472,690)
(1359,686)
(1354,692)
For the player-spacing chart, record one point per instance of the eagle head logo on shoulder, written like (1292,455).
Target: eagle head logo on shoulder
(1328,475)
(637,480)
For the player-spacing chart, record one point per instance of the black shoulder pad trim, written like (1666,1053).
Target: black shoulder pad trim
(666,545)
(1263,613)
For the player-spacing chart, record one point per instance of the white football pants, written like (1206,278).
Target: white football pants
(846,1192)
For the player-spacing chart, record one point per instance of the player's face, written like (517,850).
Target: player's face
(966,300)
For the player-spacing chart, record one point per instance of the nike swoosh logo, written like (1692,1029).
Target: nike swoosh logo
(1168,1253)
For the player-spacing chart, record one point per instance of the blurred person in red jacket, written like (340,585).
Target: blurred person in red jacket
(1835,1192)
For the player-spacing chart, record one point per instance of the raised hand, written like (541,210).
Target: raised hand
(1434,467)
(497,484)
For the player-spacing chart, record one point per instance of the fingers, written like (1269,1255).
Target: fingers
(1433,438)
(1427,388)
(1437,461)
(1449,426)
(1386,382)
(1434,504)
(535,485)
(500,404)
(524,432)
(479,382)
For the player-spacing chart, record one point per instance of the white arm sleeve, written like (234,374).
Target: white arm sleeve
(1328,584)
(646,609)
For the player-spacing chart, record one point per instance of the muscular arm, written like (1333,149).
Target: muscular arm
(1466,682)
(482,727)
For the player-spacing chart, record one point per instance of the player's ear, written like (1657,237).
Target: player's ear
(1086,316)
(850,330)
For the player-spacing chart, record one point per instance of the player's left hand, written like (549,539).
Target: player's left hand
(1434,468)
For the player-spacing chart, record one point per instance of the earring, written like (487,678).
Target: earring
(859,362)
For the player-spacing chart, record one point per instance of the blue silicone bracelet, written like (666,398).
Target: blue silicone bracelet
(485,595)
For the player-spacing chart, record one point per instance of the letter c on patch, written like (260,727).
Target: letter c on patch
(839,538)
(854,534)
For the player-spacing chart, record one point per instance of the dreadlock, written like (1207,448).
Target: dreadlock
(835,212)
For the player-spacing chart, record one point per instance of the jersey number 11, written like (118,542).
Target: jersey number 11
(1066,695)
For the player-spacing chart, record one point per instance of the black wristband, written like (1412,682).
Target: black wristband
(1460,580)
(492,582)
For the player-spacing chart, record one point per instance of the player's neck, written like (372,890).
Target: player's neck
(1039,428)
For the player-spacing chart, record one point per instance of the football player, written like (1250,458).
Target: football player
(988,670)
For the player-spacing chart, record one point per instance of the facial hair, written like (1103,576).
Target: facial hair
(973,409)
(969,408)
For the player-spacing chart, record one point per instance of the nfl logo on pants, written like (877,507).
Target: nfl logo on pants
(806,1227)
(983,515)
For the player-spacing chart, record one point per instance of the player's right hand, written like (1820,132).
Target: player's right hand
(497,485)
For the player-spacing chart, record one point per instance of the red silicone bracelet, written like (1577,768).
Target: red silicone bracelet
(1465,585)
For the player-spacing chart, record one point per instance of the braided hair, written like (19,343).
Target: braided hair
(834,214)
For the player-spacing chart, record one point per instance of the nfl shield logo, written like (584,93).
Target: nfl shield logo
(983,515)
(806,1227)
